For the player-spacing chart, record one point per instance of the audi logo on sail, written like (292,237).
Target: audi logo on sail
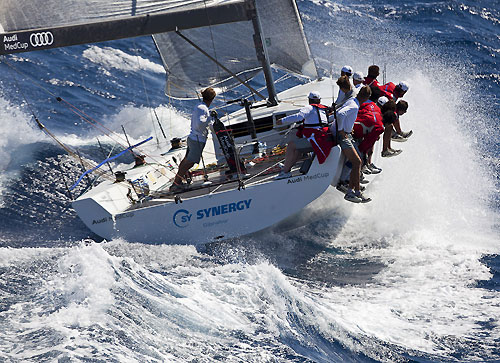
(41,39)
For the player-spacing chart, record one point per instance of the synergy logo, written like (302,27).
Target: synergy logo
(182,217)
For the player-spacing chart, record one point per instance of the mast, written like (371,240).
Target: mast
(262,54)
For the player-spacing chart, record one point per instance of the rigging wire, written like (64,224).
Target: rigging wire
(81,114)
(145,90)
(70,151)
(153,111)
(116,137)
(238,168)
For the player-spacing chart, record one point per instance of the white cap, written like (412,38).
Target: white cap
(404,86)
(358,76)
(314,95)
(346,69)
(382,100)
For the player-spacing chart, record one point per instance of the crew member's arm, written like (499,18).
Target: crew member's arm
(299,116)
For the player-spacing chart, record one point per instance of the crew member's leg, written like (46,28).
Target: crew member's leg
(397,126)
(193,156)
(184,166)
(291,157)
(355,160)
(386,143)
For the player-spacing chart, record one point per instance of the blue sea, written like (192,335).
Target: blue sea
(413,276)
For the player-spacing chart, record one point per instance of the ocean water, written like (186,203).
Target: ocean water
(412,276)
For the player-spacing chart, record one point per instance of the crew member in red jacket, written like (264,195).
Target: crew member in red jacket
(394,91)
(371,78)
(367,129)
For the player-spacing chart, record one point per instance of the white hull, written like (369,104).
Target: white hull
(109,211)
(217,216)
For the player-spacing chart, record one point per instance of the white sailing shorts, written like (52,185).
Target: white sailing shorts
(194,150)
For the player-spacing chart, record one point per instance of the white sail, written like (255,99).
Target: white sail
(232,45)
(31,14)
(29,25)
(285,39)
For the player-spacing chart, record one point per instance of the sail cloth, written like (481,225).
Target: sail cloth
(27,25)
(223,28)
(284,35)
(189,71)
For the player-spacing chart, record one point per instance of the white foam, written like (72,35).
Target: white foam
(438,177)
(430,221)
(110,58)
(139,123)
(16,128)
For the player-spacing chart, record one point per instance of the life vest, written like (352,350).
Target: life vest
(371,81)
(320,109)
(319,135)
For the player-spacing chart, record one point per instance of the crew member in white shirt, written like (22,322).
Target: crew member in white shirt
(345,71)
(346,91)
(357,80)
(200,122)
(346,116)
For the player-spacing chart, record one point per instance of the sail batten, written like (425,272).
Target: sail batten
(22,36)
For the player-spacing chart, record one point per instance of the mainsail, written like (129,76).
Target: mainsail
(227,30)
(233,46)
(28,25)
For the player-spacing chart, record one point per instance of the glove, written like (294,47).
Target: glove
(213,114)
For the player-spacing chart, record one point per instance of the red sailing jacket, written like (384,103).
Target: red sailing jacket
(368,125)
(320,137)
(370,81)
(321,140)
(388,90)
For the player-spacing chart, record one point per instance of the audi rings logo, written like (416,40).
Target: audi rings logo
(41,39)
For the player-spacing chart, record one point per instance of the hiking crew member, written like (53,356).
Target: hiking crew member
(393,91)
(367,129)
(346,116)
(357,80)
(371,78)
(346,91)
(313,136)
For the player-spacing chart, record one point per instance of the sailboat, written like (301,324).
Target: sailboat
(217,43)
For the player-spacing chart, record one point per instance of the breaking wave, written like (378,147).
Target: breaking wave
(411,276)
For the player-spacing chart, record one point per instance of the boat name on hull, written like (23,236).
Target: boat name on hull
(182,217)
